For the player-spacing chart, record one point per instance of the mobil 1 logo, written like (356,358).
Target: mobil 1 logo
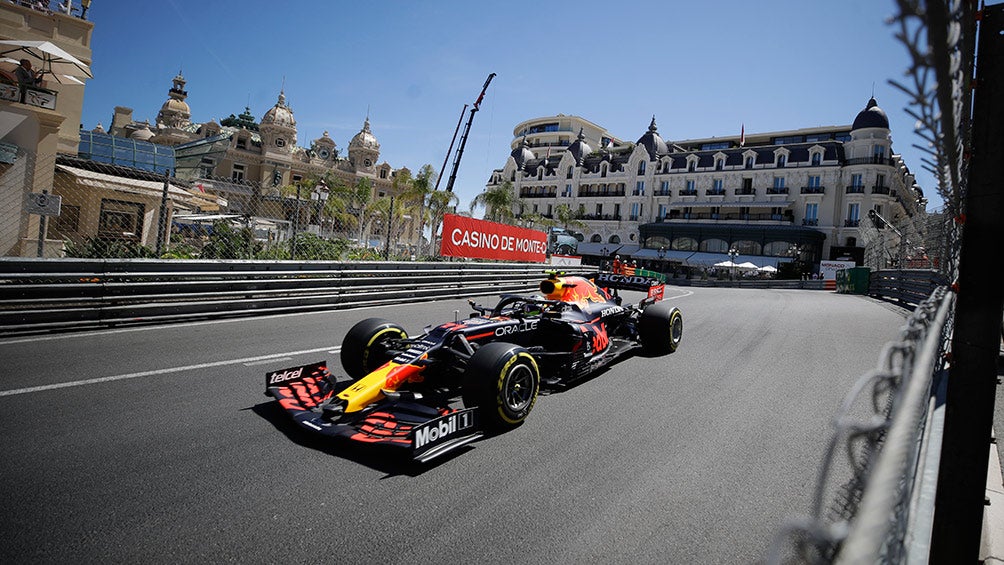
(443,429)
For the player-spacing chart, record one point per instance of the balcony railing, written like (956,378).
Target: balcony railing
(601,192)
(851,223)
(880,189)
(665,192)
(777,190)
(873,160)
(30,95)
(727,217)
(813,189)
(745,192)
(715,192)
(600,217)
(549,194)
(685,192)
(810,221)
(855,189)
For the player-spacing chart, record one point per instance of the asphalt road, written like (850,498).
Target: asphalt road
(157,445)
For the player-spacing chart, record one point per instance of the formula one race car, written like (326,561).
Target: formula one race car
(404,391)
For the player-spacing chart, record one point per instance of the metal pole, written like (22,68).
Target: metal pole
(969,408)
(296,221)
(162,218)
(390,219)
(41,231)
(448,152)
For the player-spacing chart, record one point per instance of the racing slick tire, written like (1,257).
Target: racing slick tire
(660,328)
(502,380)
(365,346)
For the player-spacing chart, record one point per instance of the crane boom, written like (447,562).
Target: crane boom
(467,130)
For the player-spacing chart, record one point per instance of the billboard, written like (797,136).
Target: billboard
(479,239)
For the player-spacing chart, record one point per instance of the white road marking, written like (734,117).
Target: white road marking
(262,359)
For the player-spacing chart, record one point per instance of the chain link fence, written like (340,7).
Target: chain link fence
(59,206)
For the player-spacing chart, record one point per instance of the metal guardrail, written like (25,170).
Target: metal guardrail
(38,294)
(908,287)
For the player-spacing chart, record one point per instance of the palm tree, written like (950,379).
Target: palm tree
(498,202)
(421,191)
(567,217)
(440,202)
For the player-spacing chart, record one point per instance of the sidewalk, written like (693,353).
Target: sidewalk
(992,543)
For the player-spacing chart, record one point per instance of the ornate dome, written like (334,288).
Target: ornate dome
(653,142)
(522,154)
(143,133)
(579,148)
(365,138)
(871,117)
(280,114)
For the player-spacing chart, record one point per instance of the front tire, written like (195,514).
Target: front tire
(502,380)
(660,328)
(365,346)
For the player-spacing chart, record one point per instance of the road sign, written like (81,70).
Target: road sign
(43,204)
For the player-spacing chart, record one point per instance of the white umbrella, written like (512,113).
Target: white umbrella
(767,269)
(48,57)
(747,265)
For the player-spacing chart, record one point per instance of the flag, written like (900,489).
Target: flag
(199,186)
(548,156)
(742,136)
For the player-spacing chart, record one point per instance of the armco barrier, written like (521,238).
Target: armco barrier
(40,294)
(907,287)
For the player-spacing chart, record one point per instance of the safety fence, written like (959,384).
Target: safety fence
(908,287)
(877,504)
(37,294)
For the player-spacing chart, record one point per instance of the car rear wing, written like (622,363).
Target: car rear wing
(653,286)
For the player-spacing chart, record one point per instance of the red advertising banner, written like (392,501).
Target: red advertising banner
(480,239)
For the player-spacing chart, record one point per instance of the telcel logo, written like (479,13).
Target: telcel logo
(288,375)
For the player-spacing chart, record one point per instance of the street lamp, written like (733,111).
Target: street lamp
(733,253)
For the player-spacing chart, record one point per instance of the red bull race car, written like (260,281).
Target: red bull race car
(431,393)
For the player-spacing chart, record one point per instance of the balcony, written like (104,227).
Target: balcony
(715,192)
(855,189)
(531,194)
(745,192)
(30,95)
(692,192)
(873,160)
(676,215)
(599,192)
(851,223)
(600,217)
(880,189)
(810,221)
(777,190)
(666,192)
(813,189)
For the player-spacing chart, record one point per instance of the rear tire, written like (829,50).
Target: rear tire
(661,328)
(502,380)
(365,346)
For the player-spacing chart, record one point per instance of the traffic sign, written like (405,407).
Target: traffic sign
(43,204)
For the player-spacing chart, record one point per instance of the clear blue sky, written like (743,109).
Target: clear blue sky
(702,68)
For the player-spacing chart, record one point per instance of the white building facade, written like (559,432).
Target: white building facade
(800,195)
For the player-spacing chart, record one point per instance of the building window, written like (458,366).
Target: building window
(692,165)
(880,180)
(857,180)
(814,181)
(750,161)
(690,186)
(878,153)
(639,188)
(383,173)
(641,168)
(68,220)
(599,209)
(242,143)
(812,211)
(717,185)
(779,182)
(817,159)
(596,238)
(782,160)
(568,175)
(747,185)
(120,219)
(853,212)
(238,173)
(719,164)
(568,190)
(662,211)
(280,142)
(617,211)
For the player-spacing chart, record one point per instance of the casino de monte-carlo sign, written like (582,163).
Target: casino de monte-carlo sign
(479,239)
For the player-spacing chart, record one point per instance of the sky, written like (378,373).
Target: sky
(702,69)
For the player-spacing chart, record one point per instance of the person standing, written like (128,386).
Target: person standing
(26,75)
